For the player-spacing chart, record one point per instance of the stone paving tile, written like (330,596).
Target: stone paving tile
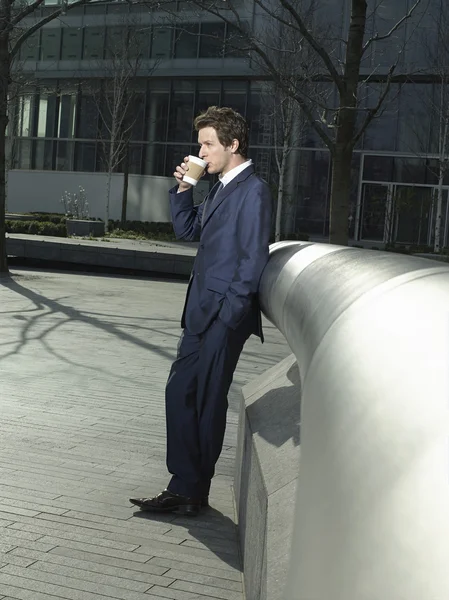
(83,365)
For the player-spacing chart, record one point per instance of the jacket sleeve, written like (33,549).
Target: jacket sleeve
(186,217)
(253,237)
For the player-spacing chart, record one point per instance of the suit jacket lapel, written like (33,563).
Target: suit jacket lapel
(226,191)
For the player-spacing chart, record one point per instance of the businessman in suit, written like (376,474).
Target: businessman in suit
(221,309)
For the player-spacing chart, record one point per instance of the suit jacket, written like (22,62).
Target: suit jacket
(234,239)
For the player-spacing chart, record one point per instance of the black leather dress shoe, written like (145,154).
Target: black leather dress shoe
(168,502)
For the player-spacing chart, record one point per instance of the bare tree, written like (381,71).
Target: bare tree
(117,101)
(339,125)
(14,31)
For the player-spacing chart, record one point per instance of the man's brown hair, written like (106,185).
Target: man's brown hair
(229,125)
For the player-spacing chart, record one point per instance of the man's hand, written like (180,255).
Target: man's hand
(181,170)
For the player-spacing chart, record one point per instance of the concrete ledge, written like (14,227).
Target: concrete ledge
(265,478)
(169,259)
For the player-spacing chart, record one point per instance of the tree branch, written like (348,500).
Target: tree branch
(374,111)
(29,32)
(317,47)
(24,13)
(378,38)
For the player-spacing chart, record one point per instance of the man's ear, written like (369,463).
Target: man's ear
(235,146)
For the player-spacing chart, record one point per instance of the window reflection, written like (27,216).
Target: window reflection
(50,43)
(180,126)
(161,46)
(212,40)
(71,43)
(93,42)
(186,41)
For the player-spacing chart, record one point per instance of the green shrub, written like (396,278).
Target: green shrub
(37,228)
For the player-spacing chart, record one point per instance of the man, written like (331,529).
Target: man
(221,309)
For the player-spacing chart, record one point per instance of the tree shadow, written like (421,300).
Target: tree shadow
(47,306)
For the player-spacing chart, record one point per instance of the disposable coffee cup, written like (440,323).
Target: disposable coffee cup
(197,166)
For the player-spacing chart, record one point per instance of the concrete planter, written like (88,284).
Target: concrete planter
(85,228)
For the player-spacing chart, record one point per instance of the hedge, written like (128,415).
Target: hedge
(37,228)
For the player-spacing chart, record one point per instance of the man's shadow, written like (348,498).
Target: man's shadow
(211,528)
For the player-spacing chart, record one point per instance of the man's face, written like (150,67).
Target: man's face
(215,154)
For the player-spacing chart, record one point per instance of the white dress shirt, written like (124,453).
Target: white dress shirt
(230,175)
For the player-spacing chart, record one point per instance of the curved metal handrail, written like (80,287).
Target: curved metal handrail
(370,331)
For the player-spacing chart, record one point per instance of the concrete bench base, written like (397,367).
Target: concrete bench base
(265,479)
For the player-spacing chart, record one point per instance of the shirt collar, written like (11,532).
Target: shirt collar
(230,175)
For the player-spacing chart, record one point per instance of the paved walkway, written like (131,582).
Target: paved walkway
(83,365)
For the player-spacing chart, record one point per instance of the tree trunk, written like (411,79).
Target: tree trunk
(346,121)
(339,204)
(438,215)
(280,197)
(108,196)
(4,84)
(125,186)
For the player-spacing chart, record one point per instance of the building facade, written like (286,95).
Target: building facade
(188,61)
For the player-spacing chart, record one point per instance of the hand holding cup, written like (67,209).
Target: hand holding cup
(190,172)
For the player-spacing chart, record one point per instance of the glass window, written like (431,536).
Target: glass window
(180,128)
(43,159)
(212,40)
(93,42)
(235,94)
(157,121)
(139,42)
(208,95)
(409,170)
(378,168)
(24,154)
(117,7)
(116,42)
(422,34)
(95,9)
(88,118)
(67,114)
(236,43)
(386,15)
(46,116)
(186,41)
(154,159)
(175,156)
(71,43)
(260,116)
(24,116)
(135,158)
(64,156)
(313,188)
(136,116)
(382,132)
(85,156)
(50,43)
(415,111)
(29,50)
(161,46)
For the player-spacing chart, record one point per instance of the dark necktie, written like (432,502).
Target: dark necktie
(211,197)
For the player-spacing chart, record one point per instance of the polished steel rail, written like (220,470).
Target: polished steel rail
(370,331)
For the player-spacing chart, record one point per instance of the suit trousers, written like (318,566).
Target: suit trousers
(196,404)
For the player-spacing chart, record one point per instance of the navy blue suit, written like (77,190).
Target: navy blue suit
(221,311)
